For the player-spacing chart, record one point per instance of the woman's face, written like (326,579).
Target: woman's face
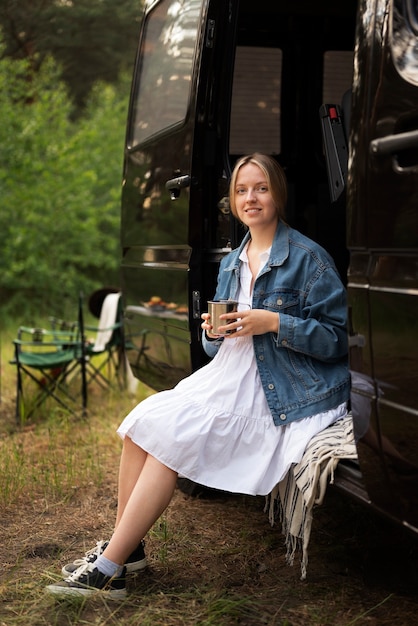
(253,200)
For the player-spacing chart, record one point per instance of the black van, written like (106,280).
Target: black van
(330,89)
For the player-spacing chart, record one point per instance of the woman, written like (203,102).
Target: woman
(241,421)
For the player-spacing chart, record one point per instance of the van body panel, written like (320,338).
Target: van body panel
(383,276)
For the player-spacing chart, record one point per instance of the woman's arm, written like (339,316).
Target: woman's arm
(321,332)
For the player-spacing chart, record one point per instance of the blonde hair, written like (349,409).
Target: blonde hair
(275,177)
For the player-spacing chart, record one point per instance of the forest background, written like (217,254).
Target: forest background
(65,72)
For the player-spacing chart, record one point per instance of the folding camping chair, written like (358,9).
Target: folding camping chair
(105,355)
(48,362)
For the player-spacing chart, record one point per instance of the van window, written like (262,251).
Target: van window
(404,39)
(412,13)
(255,107)
(338,75)
(167,53)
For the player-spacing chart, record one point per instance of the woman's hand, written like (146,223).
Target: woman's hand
(251,322)
(207,326)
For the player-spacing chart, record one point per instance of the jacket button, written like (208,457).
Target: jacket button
(261,357)
(284,342)
(271,386)
(282,416)
(280,302)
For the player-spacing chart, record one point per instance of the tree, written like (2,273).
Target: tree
(90,39)
(60,188)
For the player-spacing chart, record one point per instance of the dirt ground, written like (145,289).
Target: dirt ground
(213,560)
(360,571)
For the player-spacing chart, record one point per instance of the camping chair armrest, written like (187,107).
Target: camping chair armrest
(61,325)
(96,328)
(64,342)
(34,330)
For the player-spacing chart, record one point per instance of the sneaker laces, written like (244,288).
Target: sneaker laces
(92,554)
(84,568)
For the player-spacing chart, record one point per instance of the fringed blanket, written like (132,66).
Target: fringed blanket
(304,486)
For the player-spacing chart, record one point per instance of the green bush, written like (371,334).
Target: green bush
(60,186)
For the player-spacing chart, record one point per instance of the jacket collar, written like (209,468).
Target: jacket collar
(279,249)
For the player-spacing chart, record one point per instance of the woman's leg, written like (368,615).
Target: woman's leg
(130,467)
(146,487)
(142,502)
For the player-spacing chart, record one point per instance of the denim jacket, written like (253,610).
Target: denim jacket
(304,367)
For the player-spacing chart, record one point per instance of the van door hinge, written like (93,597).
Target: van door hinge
(210,34)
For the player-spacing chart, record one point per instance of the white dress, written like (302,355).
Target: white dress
(215,426)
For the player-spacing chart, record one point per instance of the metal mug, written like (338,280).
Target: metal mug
(217,308)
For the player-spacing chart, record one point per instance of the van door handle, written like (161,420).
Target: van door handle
(175,184)
(394,143)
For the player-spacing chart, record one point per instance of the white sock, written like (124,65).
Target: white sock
(108,567)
